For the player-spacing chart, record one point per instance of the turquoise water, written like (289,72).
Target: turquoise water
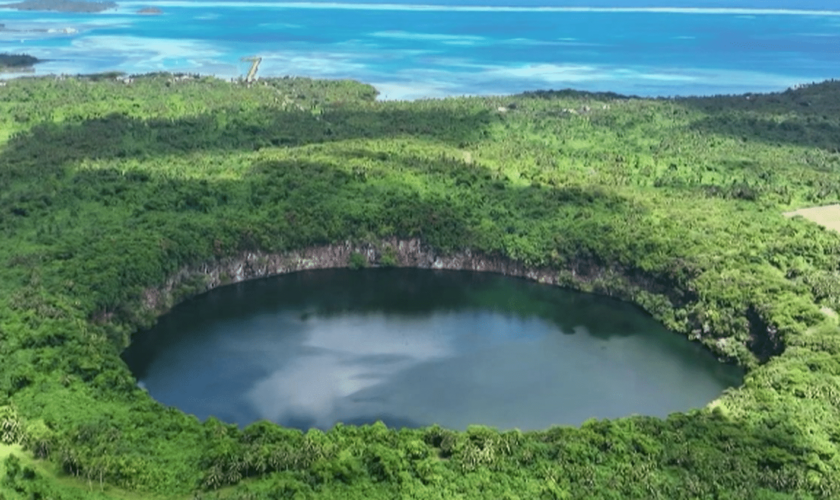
(413,51)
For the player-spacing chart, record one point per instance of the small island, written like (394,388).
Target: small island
(17,62)
(150,11)
(80,6)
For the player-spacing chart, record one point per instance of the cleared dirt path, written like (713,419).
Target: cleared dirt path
(827,216)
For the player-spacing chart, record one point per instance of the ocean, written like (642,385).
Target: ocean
(437,48)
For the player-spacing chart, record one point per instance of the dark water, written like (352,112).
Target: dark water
(417,347)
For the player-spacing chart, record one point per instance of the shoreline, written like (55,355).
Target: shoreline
(11,75)
(408,62)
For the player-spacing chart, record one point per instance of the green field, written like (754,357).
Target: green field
(107,189)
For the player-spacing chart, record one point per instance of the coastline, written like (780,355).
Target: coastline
(384,97)
(409,61)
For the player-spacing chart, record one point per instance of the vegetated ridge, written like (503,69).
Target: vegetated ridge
(121,197)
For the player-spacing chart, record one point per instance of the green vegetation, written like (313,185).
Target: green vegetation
(357,261)
(15,61)
(108,188)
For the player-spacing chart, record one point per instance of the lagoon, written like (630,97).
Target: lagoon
(435,48)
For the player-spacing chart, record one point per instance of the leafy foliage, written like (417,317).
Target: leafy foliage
(112,186)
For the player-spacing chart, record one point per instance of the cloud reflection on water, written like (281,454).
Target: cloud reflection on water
(339,358)
(413,347)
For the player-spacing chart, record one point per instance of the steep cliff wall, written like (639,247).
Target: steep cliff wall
(657,298)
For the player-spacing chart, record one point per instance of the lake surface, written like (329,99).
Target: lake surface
(434,48)
(417,347)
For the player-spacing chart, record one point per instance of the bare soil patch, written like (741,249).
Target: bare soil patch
(827,216)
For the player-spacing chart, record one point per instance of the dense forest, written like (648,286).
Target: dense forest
(111,185)
(15,61)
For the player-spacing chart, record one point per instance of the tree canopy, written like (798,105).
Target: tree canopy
(110,186)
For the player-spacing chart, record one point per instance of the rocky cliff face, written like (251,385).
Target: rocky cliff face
(614,281)
(661,298)
(395,252)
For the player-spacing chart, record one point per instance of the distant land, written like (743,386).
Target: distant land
(17,62)
(61,5)
(150,11)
